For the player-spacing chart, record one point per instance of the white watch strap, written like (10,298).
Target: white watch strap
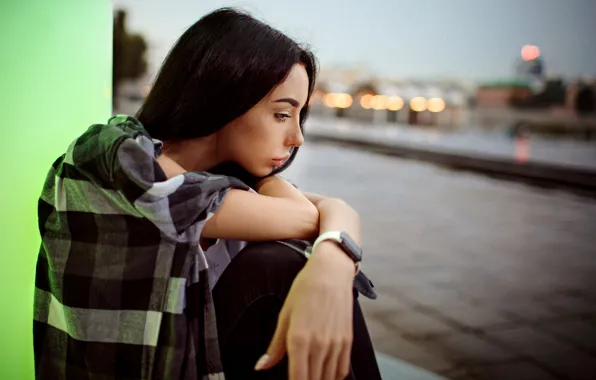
(330,235)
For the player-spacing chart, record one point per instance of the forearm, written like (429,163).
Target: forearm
(278,187)
(337,215)
(334,214)
(254,217)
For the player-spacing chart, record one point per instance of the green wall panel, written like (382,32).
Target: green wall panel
(55,77)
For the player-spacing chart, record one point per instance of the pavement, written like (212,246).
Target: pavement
(478,278)
(563,163)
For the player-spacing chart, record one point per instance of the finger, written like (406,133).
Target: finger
(343,364)
(298,358)
(331,362)
(345,355)
(319,351)
(277,347)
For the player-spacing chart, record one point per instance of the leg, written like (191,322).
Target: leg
(248,298)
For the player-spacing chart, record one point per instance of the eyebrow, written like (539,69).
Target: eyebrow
(293,102)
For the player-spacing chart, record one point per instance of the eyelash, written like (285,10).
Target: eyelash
(281,117)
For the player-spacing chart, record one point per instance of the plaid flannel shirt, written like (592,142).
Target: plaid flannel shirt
(121,286)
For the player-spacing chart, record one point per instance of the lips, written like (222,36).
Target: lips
(279,160)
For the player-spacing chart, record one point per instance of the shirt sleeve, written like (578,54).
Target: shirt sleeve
(122,161)
(174,205)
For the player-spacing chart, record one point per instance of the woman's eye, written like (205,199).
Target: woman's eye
(282,116)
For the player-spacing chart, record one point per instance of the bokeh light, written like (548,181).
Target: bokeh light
(379,102)
(418,104)
(435,104)
(337,100)
(366,101)
(395,103)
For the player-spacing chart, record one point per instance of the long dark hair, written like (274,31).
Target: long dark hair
(220,68)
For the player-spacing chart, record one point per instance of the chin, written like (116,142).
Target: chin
(262,172)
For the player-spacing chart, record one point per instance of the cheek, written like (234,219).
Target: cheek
(263,138)
(247,145)
(252,154)
(254,139)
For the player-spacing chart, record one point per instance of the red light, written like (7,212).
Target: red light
(530,52)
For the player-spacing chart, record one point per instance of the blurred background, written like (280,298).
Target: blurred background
(464,132)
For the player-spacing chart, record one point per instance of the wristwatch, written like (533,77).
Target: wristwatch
(346,243)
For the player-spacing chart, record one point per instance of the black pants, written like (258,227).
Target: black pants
(248,298)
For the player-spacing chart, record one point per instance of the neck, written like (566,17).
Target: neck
(193,155)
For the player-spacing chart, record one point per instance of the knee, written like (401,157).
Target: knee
(260,268)
(271,260)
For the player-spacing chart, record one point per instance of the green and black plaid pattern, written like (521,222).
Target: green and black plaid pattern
(121,287)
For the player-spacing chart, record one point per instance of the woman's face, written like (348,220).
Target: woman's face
(262,138)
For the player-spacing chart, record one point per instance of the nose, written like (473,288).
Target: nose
(295,138)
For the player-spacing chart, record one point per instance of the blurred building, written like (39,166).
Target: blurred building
(581,97)
(501,94)
(356,94)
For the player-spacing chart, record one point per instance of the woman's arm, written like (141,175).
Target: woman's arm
(275,214)
(280,212)
(255,217)
(276,186)
(319,347)
(323,287)
(313,198)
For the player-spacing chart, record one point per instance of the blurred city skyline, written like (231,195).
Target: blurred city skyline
(464,39)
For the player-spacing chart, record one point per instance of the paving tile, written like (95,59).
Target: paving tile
(468,348)
(494,293)
(515,370)
(567,305)
(383,304)
(389,342)
(395,369)
(573,365)
(435,364)
(526,341)
(459,374)
(463,377)
(583,293)
(419,325)
(588,293)
(477,316)
(437,275)
(435,297)
(581,332)
(527,309)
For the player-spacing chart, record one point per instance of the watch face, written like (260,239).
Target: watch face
(351,247)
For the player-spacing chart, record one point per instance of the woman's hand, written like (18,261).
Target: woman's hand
(315,324)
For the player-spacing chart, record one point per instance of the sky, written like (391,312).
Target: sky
(425,39)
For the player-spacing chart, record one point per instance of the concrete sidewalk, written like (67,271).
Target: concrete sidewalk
(397,369)
(477,278)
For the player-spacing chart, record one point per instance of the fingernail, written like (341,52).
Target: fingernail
(262,361)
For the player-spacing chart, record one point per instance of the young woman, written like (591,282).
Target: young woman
(140,217)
